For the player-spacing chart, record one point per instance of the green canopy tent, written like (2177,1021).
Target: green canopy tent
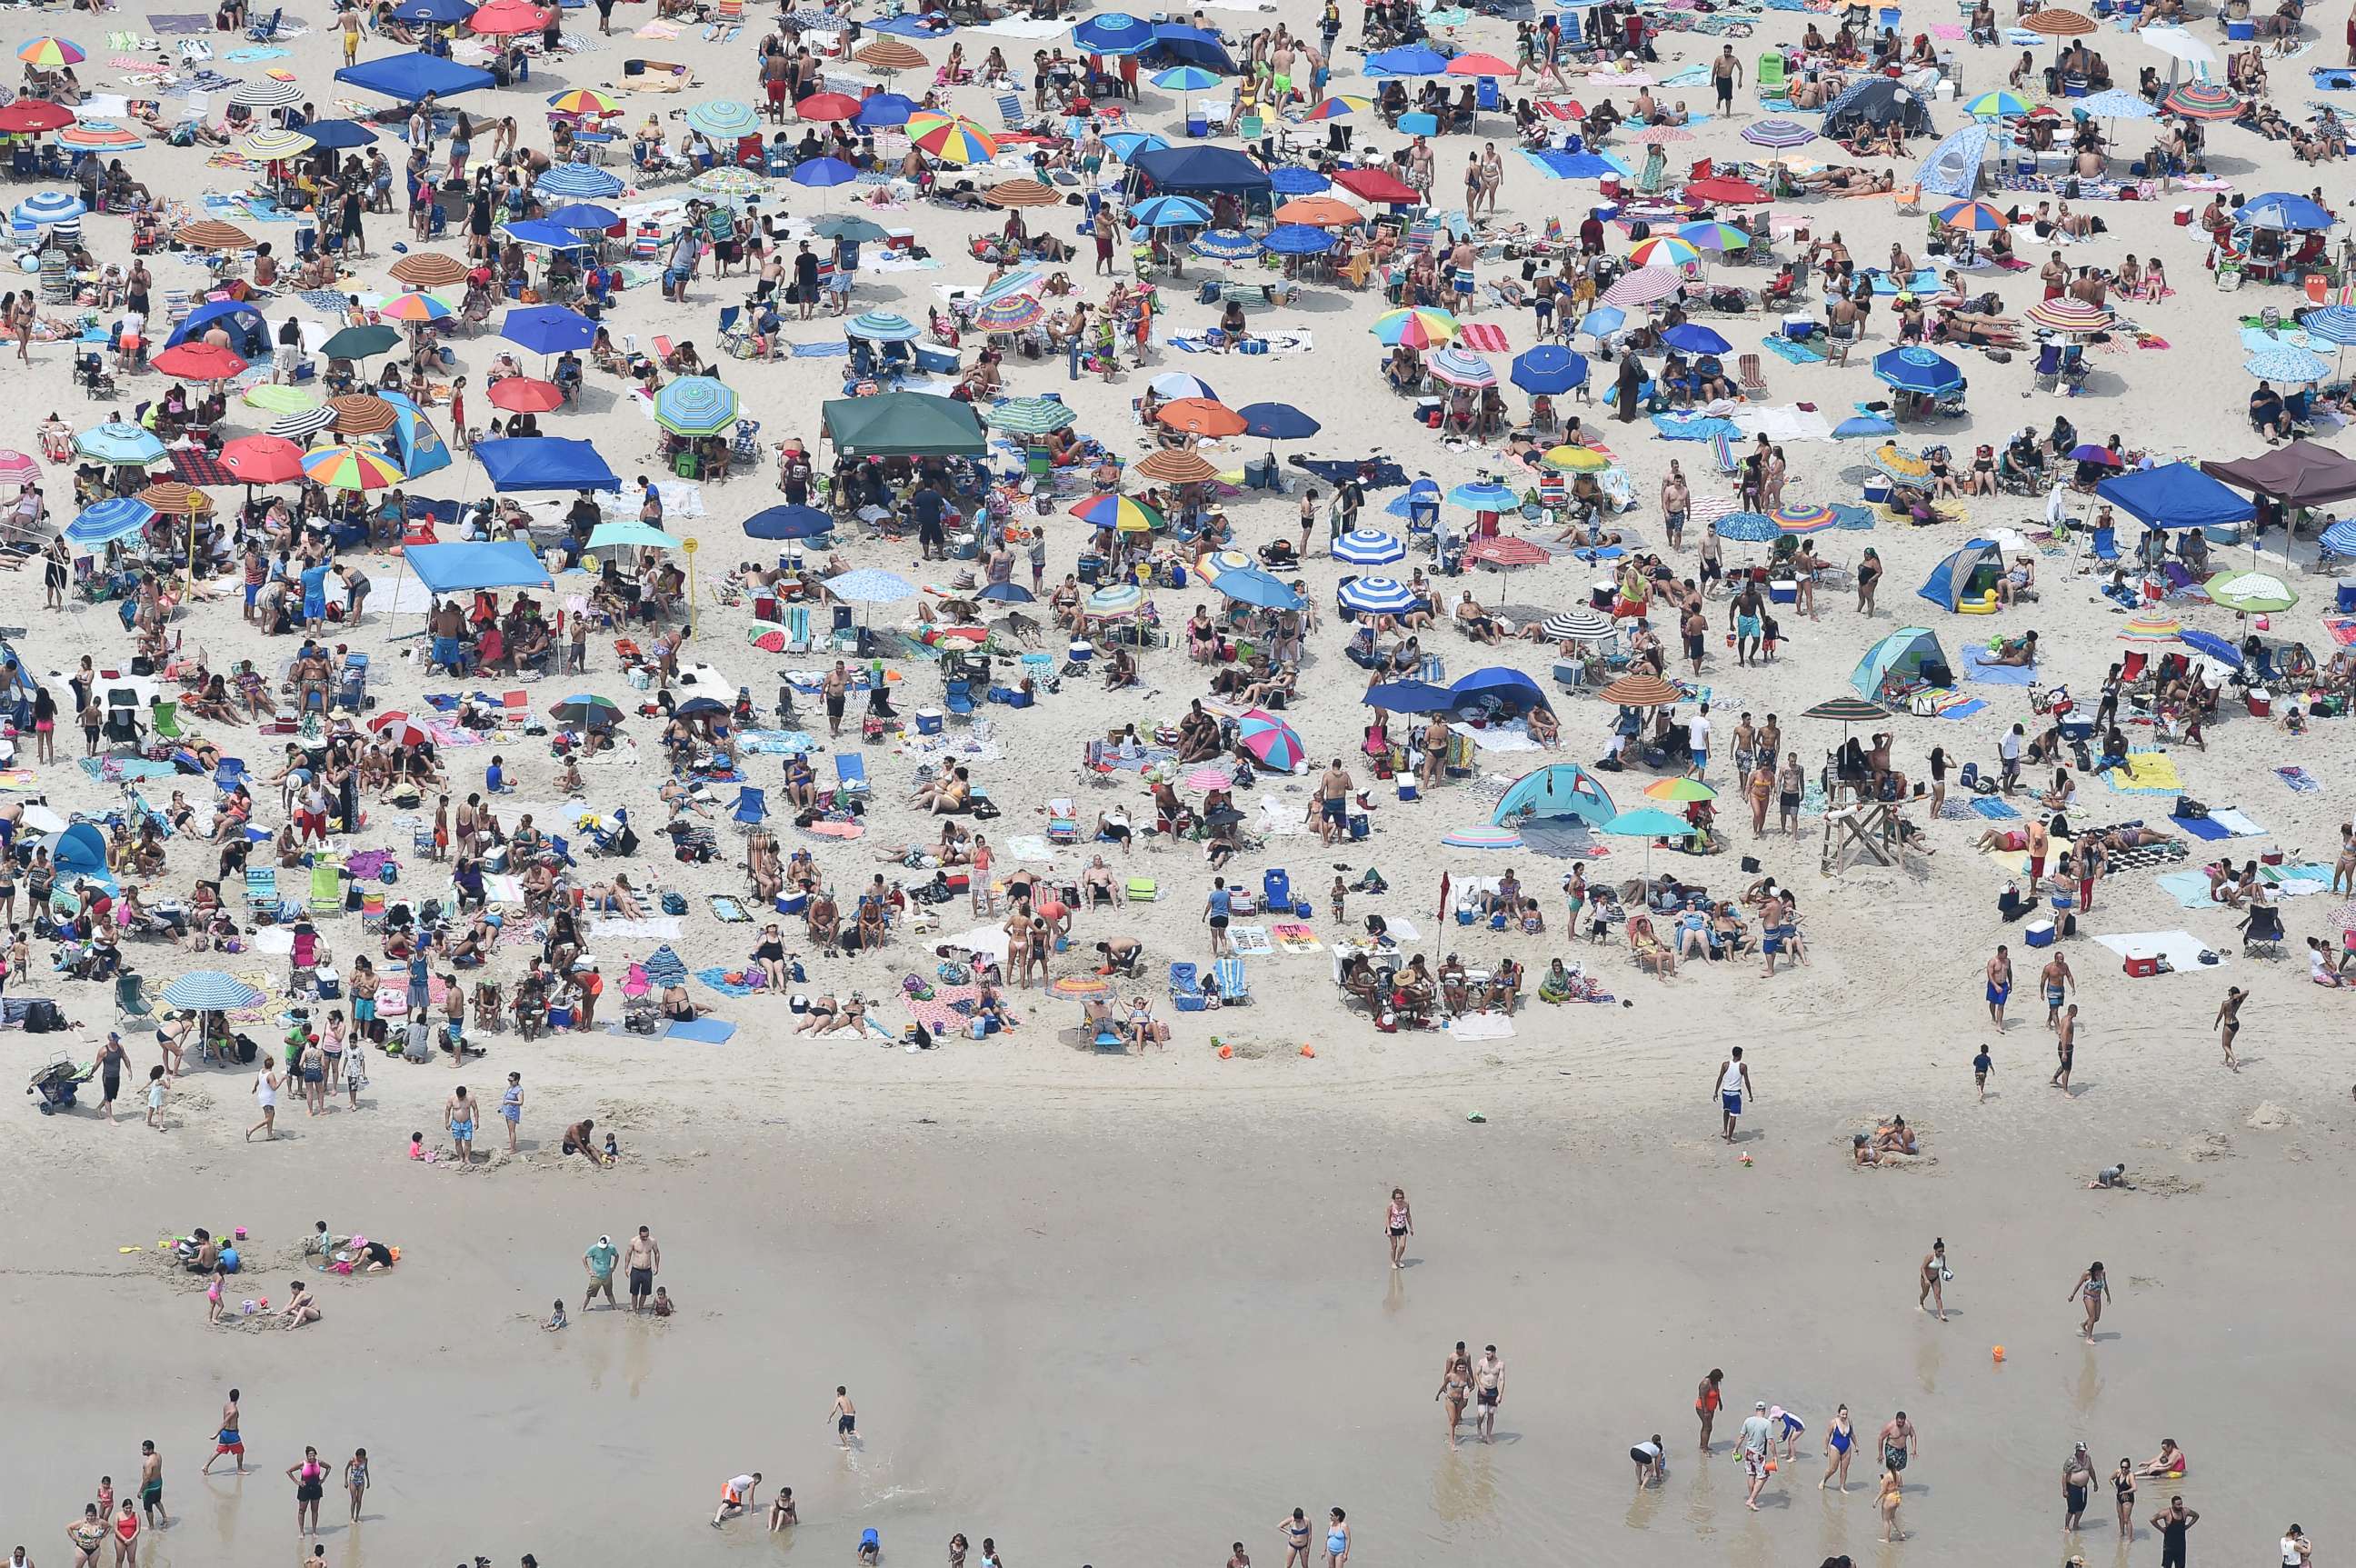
(903,425)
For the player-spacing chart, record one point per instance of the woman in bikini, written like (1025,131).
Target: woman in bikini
(1892,1494)
(1455,1387)
(2093,1285)
(1840,1442)
(1400,1224)
(1296,1540)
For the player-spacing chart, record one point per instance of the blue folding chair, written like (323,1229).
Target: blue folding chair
(1186,988)
(750,808)
(959,700)
(1234,989)
(850,773)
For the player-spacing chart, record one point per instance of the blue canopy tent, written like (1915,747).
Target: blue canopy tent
(410,77)
(446,569)
(2176,495)
(1895,660)
(1951,579)
(1191,46)
(1191,171)
(545,463)
(1558,789)
(249,333)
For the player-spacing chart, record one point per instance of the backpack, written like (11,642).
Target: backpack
(674,902)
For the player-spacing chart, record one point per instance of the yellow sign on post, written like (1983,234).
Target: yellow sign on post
(689,546)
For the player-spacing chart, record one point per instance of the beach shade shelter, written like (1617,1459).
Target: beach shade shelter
(2301,474)
(1917,369)
(1951,579)
(788,523)
(116,442)
(118,518)
(249,333)
(1577,624)
(1368,547)
(547,329)
(1252,586)
(882,110)
(903,425)
(408,78)
(48,207)
(696,405)
(1641,691)
(545,463)
(210,990)
(1558,789)
(1376,596)
(1197,171)
(2203,100)
(263,460)
(1779,133)
(2251,593)
(2176,495)
(34,116)
(2285,209)
(1896,661)
(452,569)
(78,851)
(1030,415)
(1409,697)
(1270,739)
(1376,186)
(1877,102)
(1114,33)
(1548,371)
(1408,59)
(1953,170)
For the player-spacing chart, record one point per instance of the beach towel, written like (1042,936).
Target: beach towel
(1691,426)
(1980,665)
(717,978)
(178,21)
(2202,828)
(1250,941)
(1790,349)
(2179,951)
(1481,1026)
(727,911)
(706,1031)
(2238,823)
(2145,773)
(1994,809)
(1030,846)
(1296,939)
(1557,165)
(2332,78)
(1386,475)
(662,927)
(2190,888)
(2298,779)
(2342,629)
(1962,708)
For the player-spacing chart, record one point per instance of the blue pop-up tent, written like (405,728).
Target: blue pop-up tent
(1952,577)
(2176,495)
(1192,46)
(410,77)
(1558,789)
(463,568)
(1953,170)
(1498,684)
(249,333)
(416,443)
(545,463)
(1194,171)
(78,850)
(1896,660)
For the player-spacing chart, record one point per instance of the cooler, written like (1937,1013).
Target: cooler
(929,721)
(2261,703)
(2344,596)
(793,903)
(2143,966)
(2040,934)
(1080,652)
(1877,492)
(1603,595)
(1408,789)
(1783,591)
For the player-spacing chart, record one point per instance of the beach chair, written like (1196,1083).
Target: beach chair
(1721,452)
(131,998)
(1771,82)
(1186,988)
(1062,821)
(958,700)
(261,32)
(1747,372)
(2105,544)
(163,718)
(261,893)
(326,889)
(228,773)
(1010,111)
(1234,989)
(750,808)
(850,773)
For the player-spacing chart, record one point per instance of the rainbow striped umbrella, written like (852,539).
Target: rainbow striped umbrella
(1483,837)
(1990,105)
(351,469)
(49,54)
(954,140)
(100,135)
(2067,315)
(416,305)
(1663,250)
(1805,518)
(1415,328)
(2151,627)
(1116,599)
(583,101)
(1679,789)
(1977,216)
(2203,100)
(1123,513)
(695,405)
(1010,313)
(1341,103)
(1712,235)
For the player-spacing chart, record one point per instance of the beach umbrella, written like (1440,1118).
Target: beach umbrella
(1423,492)
(351,469)
(882,327)
(1168,212)
(1647,822)
(1200,416)
(1337,107)
(1376,596)
(1506,552)
(2342,918)
(1186,78)
(1114,33)
(416,305)
(272,398)
(2115,103)
(266,93)
(1408,59)
(695,405)
(1296,239)
(119,517)
(1681,791)
(1693,337)
(850,226)
(2101,456)
(401,729)
(210,990)
(2055,22)
(1602,321)
(1917,369)
(1779,133)
(1577,624)
(50,54)
(1318,212)
(2203,100)
(1123,514)
(19,468)
(1116,598)
(1976,216)
(2339,539)
(2210,645)
(826,107)
(1460,368)
(1373,547)
(1569,459)
(584,217)
(1714,237)
(584,101)
(2066,315)
(1660,135)
(1663,250)
(1747,528)
(870,585)
(2151,626)
(1847,710)
(50,207)
(212,234)
(176,497)
(101,136)
(1253,586)
(1030,415)
(887,55)
(732,181)
(32,116)
(1175,467)
(547,329)
(1219,561)
(1276,422)
(115,442)
(1006,592)
(576,182)
(363,414)
(1415,328)
(426,269)
(1021,193)
(1996,104)
(2286,362)
(264,460)
(302,424)
(1483,837)
(1080,987)
(1126,145)
(959,141)
(882,110)
(1485,495)
(1642,286)
(1898,464)
(2282,210)
(275,144)
(1474,63)
(525,394)
(1804,519)
(1225,244)
(788,523)
(1641,691)
(1010,313)
(2251,593)
(198,362)
(2334,323)
(1863,426)
(1270,739)
(1291,179)
(1214,776)
(1548,371)
(586,711)
(502,19)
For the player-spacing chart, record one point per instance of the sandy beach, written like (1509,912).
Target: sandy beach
(1105,1307)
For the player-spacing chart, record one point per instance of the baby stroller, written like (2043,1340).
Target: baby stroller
(56,1084)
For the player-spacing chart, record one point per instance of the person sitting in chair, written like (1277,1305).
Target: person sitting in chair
(2268,416)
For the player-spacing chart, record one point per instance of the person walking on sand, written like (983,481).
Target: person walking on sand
(2065,1048)
(845,1415)
(1399,1221)
(1707,1399)
(151,1485)
(1455,1387)
(644,1261)
(265,1094)
(1892,1494)
(2092,1285)
(1934,1279)
(1217,909)
(1898,1444)
(1733,1087)
(1752,1446)
(1840,1441)
(231,1438)
(356,1479)
(1488,1394)
(1999,985)
(1982,1064)
(2057,981)
(2228,1022)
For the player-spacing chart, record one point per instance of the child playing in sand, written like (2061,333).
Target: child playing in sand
(870,1546)
(556,1320)
(662,1301)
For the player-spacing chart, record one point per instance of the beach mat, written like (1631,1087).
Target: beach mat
(707,1031)
(1978,665)
(2299,779)
(2202,828)
(1994,809)
(2181,950)
(2145,773)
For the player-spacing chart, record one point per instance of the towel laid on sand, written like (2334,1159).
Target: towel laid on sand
(1980,665)
(2180,951)
(2145,773)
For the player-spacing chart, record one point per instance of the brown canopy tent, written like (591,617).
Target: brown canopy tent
(2301,474)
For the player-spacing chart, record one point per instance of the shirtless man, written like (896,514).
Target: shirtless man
(2055,977)
(643,1258)
(837,690)
(1999,985)
(2228,1022)
(151,1485)
(1934,1280)
(844,1414)
(231,1437)
(1334,801)
(2065,1048)
(1488,1394)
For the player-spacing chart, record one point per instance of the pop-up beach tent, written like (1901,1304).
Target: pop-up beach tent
(1896,660)
(1951,579)
(1558,789)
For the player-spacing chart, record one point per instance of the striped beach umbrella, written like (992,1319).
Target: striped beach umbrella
(101,136)
(1117,598)
(1224,244)
(1714,237)
(2066,315)
(1021,193)
(1377,596)
(119,517)
(1899,463)
(267,92)
(1485,495)
(351,469)
(1805,518)
(50,207)
(275,144)
(883,326)
(1368,547)
(1220,562)
(871,585)
(1080,987)
(1977,216)
(955,141)
(1507,551)
(116,442)
(577,182)
(210,990)
(1415,328)
(19,468)
(1337,107)
(1030,416)
(2203,100)
(1270,739)
(1681,791)
(1457,368)
(1173,465)
(1483,837)
(2334,323)
(1578,624)
(725,119)
(363,414)
(416,305)
(1660,135)
(1779,133)
(583,101)
(1645,284)
(1847,710)
(1168,212)
(1641,691)
(1123,514)
(2151,626)
(50,54)
(1996,104)
(2339,539)
(302,423)
(696,405)
(1011,313)
(1663,250)
(2055,22)
(887,55)
(176,497)
(430,269)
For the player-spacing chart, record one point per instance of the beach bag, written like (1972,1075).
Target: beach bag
(674,902)
(2186,806)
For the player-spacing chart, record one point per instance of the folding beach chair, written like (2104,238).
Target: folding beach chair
(750,808)
(1234,989)
(850,773)
(261,893)
(1186,988)
(326,889)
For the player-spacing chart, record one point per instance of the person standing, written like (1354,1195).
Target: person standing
(1399,1221)
(844,1414)
(356,1479)
(2174,1523)
(2092,1286)
(1455,1387)
(2297,1552)
(1899,1444)
(310,1479)
(1840,1442)
(511,1107)
(1753,1446)
(2077,1479)
(1733,1086)
(112,1059)
(151,1485)
(2228,1022)
(1726,75)
(1707,1399)
(1632,379)
(2057,982)
(230,1439)
(459,1116)
(1999,985)
(1337,1538)
(1934,1279)
(265,1094)
(644,1261)
(1488,1394)
(1217,910)
(2065,1048)
(598,1263)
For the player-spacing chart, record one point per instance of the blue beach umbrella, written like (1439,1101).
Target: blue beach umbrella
(583,216)
(725,118)
(576,182)
(109,520)
(1006,594)
(821,174)
(1224,244)
(1863,426)
(1276,422)
(1297,240)
(1168,212)
(1548,371)
(882,110)
(788,523)
(1602,321)
(547,329)
(1294,180)
(1186,78)
(1917,369)
(1373,547)
(2282,210)
(116,442)
(210,990)
(1251,586)
(2335,324)
(1692,337)
(1114,33)
(339,136)
(1376,596)
(1408,59)
(1126,145)
(2209,643)
(2339,539)
(1747,528)
(50,207)
(1485,495)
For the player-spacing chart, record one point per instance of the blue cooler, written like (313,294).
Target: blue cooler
(1359,826)
(1877,492)
(1782,591)
(1408,789)
(2040,934)
(2345,595)
(793,903)
(1080,652)
(1305,910)
(929,721)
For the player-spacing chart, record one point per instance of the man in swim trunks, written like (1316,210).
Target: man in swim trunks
(229,1441)
(643,1258)
(2065,1048)
(2055,977)
(151,1484)
(458,1116)
(1733,1085)
(2000,985)
(1899,1443)
(844,1413)
(1488,1392)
